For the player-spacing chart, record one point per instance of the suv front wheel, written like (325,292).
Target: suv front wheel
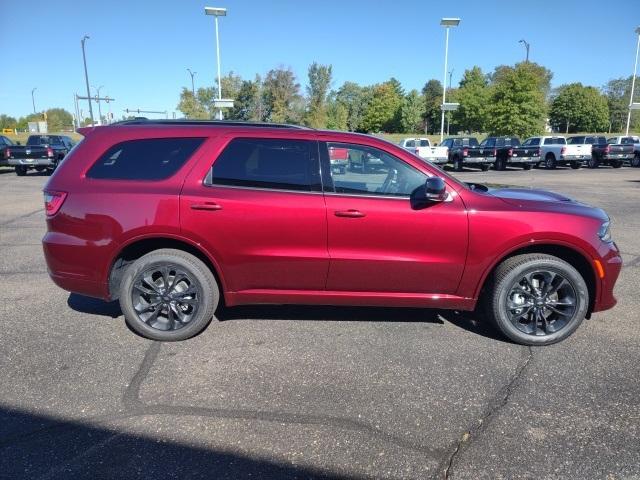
(537,299)
(168,295)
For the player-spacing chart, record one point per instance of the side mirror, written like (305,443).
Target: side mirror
(435,190)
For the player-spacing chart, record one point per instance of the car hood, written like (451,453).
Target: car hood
(544,200)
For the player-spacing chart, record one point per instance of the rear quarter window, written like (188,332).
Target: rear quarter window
(145,159)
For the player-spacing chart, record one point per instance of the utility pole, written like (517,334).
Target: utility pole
(193,88)
(33,101)
(526,45)
(86,76)
(98,100)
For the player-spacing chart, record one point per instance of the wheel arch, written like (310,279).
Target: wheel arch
(136,248)
(572,256)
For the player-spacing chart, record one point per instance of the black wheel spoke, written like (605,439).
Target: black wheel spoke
(143,289)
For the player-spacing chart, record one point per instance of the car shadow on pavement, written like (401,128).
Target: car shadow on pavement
(470,321)
(40,446)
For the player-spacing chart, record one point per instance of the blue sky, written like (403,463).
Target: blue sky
(140,50)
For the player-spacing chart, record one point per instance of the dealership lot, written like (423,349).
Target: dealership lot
(299,392)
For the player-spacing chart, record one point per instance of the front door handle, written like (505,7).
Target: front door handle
(351,213)
(206,206)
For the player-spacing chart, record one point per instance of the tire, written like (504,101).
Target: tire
(593,162)
(616,163)
(635,161)
(198,289)
(484,167)
(571,296)
(457,165)
(526,166)
(21,170)
(500,164)
(550,161)
(575,165)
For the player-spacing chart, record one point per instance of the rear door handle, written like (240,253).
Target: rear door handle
(351,213)
(206,206)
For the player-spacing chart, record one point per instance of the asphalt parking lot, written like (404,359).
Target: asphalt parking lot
(308,392)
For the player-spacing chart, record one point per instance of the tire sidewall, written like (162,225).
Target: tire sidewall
(502,291)
(207,288)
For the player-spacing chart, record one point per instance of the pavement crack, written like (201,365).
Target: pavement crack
(20,217)
(500,399)
(131,396)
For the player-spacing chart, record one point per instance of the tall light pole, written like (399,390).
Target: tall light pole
(98,100)
(217,12)
(193,88)
(447,23)
(449,113)
(33,100)
(86,76)
(526,45)
(633,82)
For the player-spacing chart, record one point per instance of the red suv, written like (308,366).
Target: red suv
(173,217)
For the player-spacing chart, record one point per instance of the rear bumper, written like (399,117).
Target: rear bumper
(617,156)
(436,160)
(34,162)
(574,158)
(471,160)
(532,160)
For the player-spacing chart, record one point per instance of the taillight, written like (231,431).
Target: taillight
(416,151)
(49,152)
(563,150)
(53,201)
(465,152)
(607,149)
(510,152)
(539,151)
(495,152)
(7,153)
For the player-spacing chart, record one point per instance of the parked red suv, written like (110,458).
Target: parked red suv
(173,217)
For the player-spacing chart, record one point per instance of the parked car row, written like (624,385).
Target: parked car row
(542,151)
(42,152)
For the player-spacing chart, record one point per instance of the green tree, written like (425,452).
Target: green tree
(542,74)
(231,84)
(191,106)
(317,90)
(381,112)
(576,108)
(412,113)
(248,101)
(354,99)
(517,103)
(432,94)
(473,96)
(618,92)
(337,114)
(7,122)
(58,119)
(281,96)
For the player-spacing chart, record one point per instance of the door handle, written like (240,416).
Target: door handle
(206,206)
(351,213)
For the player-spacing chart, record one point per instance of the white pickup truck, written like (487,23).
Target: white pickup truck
(626,140)
(554,151)
(422,148)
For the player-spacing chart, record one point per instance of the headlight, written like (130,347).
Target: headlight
(604,233)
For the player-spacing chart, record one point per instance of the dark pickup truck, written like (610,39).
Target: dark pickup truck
(603,153)
(42,152)
(526,154)
(501,150)
(5,143)
(465,151)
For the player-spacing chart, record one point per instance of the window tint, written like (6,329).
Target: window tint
(410,144)
(268,163)
(424,143)
(371,171)
(555,141)
(488,142)
(146,159)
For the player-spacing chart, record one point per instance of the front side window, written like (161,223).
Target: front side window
(371,171)
(145,159)
(268,163)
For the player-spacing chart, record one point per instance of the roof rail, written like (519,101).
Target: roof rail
(224,123)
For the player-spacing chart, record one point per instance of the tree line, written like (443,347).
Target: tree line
(510,100)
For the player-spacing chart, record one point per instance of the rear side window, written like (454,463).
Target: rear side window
(145,159)
(268,163)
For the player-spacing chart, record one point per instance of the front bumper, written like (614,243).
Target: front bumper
(34,162)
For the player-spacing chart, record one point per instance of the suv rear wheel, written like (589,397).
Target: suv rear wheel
(21,170)
(168,295)
(537,299)
(550,161)
(635,161)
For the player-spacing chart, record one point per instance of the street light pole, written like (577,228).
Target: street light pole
(86,76)
(633,81)
(193,88)
(447,23)
(526,45)
(98,100)
(449,113)
(217,12)
(33,101)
